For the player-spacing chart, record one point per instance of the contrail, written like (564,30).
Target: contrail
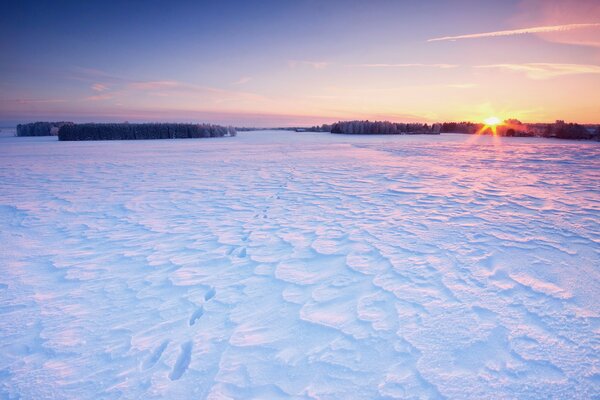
(537,29)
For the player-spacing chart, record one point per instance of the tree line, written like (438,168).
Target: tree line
(383,128)
(40,128)
(563,130)
(460,127)
(127,131)
(515,128)
(510,127)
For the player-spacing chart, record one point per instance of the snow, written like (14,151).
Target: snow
(299,265)
(7,132)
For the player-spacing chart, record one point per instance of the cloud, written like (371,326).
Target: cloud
(313,64)
(405,65)
(99,97)
(33,101)
(546,70)
(99,87)
(95,75)
(106,86)
(177,88)
(155,85)
(523,31)
(242,80)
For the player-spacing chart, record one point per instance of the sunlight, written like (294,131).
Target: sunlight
(492,121)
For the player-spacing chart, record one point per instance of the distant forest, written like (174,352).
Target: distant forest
(511,127)
(127,131)
(515,128)
(40,128)
(383,128)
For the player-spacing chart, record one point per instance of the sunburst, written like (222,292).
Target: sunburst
(490,123)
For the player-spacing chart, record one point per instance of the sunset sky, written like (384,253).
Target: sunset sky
(276,63)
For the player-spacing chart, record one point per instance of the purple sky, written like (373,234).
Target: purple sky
(276,63)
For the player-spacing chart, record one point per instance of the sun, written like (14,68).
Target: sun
(492,121)
(490,124)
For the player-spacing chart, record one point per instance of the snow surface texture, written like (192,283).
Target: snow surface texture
(282,265)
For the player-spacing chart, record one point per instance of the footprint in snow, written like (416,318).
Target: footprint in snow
(183,361)
(210,294)
(196,315)
(155,356)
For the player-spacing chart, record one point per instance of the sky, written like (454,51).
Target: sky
(299,62)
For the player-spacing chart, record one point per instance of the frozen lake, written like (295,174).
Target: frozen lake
(300,265)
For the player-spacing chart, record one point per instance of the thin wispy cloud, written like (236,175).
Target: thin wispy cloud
(523,31)
(313,64)
(33,101)
(156,85)
(413,65)
(100,97)
(99,87)
(116,87)
(242,80)
(95,76)
(177,88)
(546,70)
